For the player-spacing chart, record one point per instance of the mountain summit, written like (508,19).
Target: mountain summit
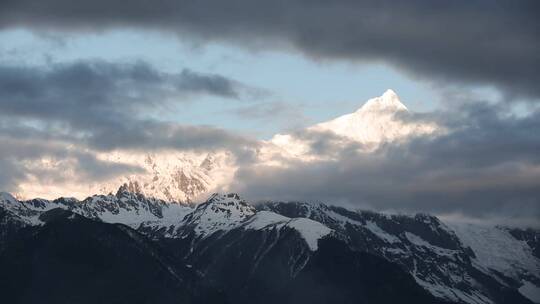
(379,120)
(387,101)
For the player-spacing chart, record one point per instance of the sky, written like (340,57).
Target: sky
(289,82)
(81,78)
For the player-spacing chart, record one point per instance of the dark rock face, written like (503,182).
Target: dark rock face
(10,224)
(336,274)
(277,267)
(71,259)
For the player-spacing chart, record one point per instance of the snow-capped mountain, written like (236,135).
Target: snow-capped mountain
(380,120)
(172,176)
(218,213)
(232,243)
(375,122)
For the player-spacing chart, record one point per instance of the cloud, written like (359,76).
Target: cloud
(98,89)
(105,105)
(487,165)
(464,42)
(10,174)
(213,84)
(148,135)
(52,162)
(286,115)
(54,120)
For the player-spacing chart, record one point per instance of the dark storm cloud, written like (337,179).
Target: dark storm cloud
(104,104)
(90,88)
(148,134)
(466,42)
(213,84)
(486,165)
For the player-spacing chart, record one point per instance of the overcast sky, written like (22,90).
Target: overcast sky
(78,78)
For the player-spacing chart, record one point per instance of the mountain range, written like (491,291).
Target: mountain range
(126,247)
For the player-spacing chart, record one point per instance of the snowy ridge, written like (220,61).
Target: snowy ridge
(23,213)
(130,209)
(311,231)
(266,220)
(219,212)
(124,207)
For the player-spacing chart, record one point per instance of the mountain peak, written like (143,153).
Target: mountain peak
(389,93)
(220,197)
(389,100)
(219,212)
(129,190)
(228,202)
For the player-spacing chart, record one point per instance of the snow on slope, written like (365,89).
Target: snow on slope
(6,198)
(530,291)
(383,235)
(419,242)
(311,231)
(266,219)
(496,249)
